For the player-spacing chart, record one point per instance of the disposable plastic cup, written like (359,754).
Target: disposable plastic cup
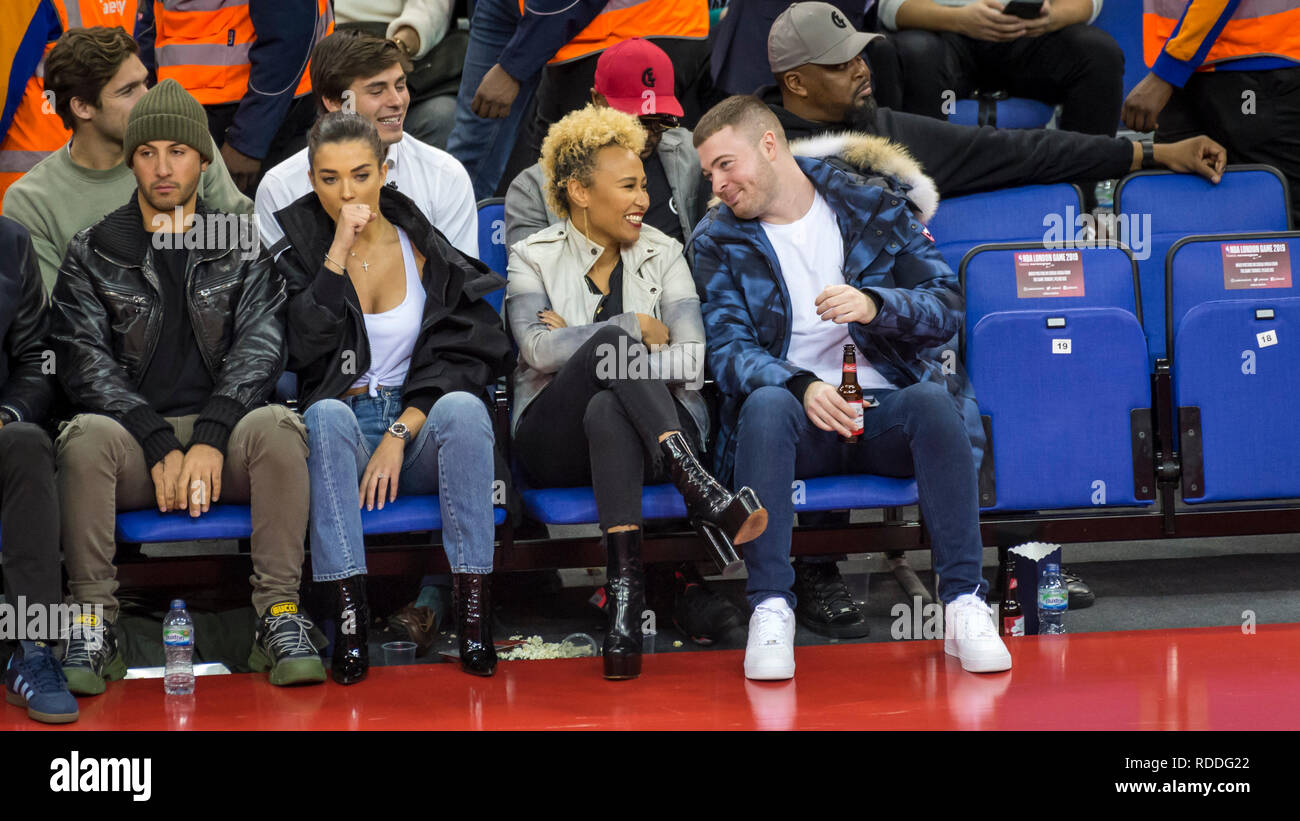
(399,652)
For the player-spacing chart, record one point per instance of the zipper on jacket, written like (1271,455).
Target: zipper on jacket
(224,286)
(151,338)
(191,305)
(128,296)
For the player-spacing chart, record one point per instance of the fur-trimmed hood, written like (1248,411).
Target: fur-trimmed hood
(873,156)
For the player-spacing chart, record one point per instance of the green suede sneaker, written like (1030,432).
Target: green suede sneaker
(92,659)
(283,646)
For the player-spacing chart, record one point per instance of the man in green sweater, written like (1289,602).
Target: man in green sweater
(96,79)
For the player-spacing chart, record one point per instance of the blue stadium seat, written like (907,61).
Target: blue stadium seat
(220,522)
(1002,112)
(1236,353)
(1168,207)
(1123,21)
(1006,215)
(492,233)
(407,514)
(1058,376)
(492,242)
(577,505)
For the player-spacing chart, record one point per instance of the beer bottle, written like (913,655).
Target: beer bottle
(1011,619)
(851,393)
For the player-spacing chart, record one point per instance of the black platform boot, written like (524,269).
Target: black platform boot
(724,519)
(473,608)
(626,602)
(351,631)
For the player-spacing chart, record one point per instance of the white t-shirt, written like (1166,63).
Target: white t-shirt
(434,179)
(811,253)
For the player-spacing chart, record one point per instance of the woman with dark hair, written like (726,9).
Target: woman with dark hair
(394,347)
(611,348)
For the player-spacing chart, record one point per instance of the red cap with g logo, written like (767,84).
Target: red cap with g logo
(636,77)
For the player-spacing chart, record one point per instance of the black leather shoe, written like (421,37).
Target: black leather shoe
(625,601)
(826,606)
(473,608)
(1081,596)
(724,519)
(351,661)
(703,614)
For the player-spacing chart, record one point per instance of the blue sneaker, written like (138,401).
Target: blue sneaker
(34,679)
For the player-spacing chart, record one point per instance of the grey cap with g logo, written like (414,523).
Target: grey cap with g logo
(813,33)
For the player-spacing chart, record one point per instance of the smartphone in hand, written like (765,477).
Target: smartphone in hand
(1024,9)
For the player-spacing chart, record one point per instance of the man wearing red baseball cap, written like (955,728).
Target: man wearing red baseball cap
(635,77)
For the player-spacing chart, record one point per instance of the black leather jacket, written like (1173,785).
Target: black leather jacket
(26,384)
(108,317)
(462,344)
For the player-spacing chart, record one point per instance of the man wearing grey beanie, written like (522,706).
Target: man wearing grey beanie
(169,341)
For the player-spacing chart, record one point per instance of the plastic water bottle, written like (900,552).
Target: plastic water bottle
(1053,600)
(178,642)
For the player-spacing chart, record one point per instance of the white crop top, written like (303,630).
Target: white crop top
(393,333)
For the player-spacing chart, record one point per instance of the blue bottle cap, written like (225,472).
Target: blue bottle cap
(178,604)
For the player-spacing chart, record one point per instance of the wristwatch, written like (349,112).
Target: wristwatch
(400,430)
(1149,155)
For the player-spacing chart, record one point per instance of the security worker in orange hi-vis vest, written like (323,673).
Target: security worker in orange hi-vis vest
(246,61)
(578,31)
(1228,70)
(28,28)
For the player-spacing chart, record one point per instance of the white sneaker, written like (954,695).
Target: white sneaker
(970,634)
(769,654)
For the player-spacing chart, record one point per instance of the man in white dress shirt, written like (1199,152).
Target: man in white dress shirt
(368,75)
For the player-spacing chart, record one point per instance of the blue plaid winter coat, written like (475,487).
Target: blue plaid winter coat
(746,306)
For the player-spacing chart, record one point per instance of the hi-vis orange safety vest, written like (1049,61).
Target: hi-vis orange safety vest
(36,130)
(1256,28)
(621,19)
(203,45)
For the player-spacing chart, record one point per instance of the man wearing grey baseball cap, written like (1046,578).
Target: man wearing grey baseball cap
(813,33)
(814,96)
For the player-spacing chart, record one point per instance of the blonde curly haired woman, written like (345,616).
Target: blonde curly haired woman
(611,356)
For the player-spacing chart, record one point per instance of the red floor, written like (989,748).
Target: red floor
(1205,678)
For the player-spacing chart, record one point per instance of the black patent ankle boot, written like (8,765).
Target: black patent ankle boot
(626,601)
(351,660)
(724,519)
(469,600)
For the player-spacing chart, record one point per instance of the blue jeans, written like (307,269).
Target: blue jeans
(483,146)
(454,444)
(916,431)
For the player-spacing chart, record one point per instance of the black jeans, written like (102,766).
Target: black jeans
(586,430)
(1080,66)
(29,515)
(1255,115)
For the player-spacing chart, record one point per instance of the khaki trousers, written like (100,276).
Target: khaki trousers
(102,471)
